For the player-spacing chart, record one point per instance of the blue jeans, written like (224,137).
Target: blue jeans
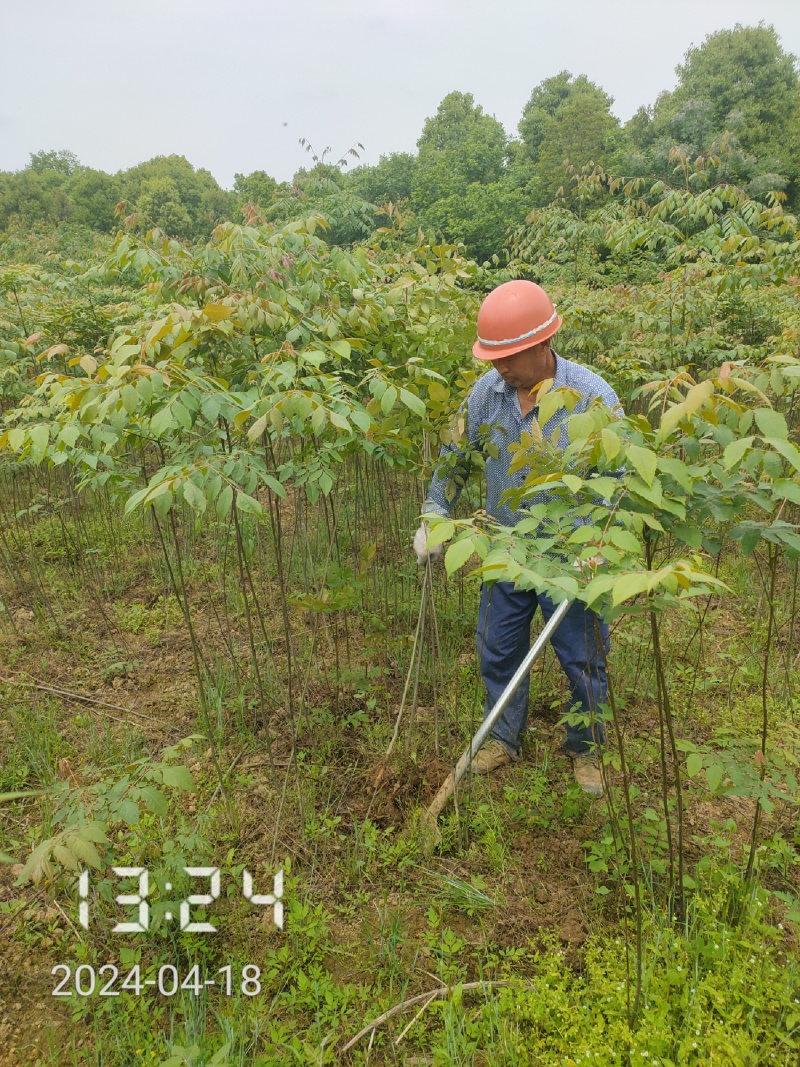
(504,638)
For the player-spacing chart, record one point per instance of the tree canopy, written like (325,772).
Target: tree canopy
(469,181)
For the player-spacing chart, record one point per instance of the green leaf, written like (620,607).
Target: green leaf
(644,462)
(457,554)
(787,489)
(194,497)
(412,402)
(95,831)
(130,398)
(603,487)
(66,857)
(178,777)
(735,451)
(220,1057)
(694,764)
(162,503)
(37,866)
(572,483)
(16,438)
(154,799)
(248,505)
(771,423)
(161,421)
(676,469)
(84,850)
(600,586)
(388,399)
(625,540)
(653,494)
(181,415)
(714,775)
(749,539)
(339,421)
(39,437)
(579,536)
(70,434)
(145,389)
(224,501)
(361,418)
(128,811)
(274,485)
(652,522)
(318,419)
(690,535)
(580,426)
(789,451)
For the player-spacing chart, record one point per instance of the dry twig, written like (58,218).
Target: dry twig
(432,994)
(70,695)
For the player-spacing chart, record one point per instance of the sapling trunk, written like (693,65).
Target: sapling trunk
(667,731)
(762,769)
(277,540)
(632,843)
(250,636)
(665,718)
(200,666)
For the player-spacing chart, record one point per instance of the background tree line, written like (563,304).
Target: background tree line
(469,180)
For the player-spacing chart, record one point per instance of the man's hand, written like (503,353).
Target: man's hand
(421,546)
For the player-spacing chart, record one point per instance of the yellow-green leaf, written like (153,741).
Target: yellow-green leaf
(440,533)
(218,312)
(549,404)
(257,428)
(644,462)
(629,585)
(611,443)
(457,554)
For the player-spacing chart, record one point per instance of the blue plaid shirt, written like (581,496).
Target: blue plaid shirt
(494,406)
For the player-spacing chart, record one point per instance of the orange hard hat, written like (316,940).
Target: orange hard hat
(514,316)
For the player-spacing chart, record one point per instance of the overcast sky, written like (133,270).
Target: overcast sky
(233,84)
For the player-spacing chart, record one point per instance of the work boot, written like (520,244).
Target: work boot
(586,769)
(490,757)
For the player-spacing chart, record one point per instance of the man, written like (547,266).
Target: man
(516,324)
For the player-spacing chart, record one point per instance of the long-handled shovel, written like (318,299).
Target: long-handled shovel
(431,813)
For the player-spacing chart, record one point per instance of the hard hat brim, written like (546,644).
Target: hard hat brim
(489,353)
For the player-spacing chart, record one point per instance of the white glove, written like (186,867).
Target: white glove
(591,564)
(421,546)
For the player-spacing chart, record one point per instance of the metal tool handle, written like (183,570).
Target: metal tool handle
(502,703)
